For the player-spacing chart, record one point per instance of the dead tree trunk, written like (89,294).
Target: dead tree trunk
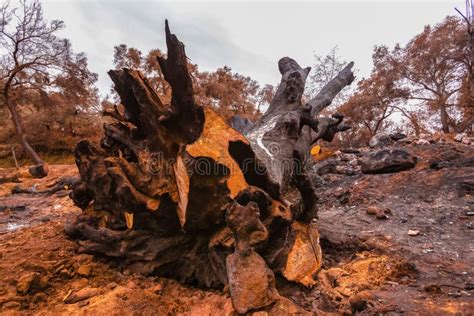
(174,191)
(40,169)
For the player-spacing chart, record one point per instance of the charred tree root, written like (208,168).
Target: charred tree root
(174,191)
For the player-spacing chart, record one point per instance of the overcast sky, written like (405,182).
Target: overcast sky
(249,37)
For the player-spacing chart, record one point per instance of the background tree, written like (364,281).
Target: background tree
(433,66)
(422,86)
(39,68)
(264,97)
(323,70)
(227,92)
(376,99)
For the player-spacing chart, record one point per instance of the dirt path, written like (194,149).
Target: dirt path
(371,265)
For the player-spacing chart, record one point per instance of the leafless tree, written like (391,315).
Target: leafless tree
(31,57)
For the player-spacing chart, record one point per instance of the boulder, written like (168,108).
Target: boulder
(380,140)
(398,136)
(39,171)
(387,161)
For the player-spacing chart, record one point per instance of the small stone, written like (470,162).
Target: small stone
(380,140)
(454,294)
(111,285)
(39,297)
(459,137)
(372,210)
(11,305)
(81,295)
(79,284)
(398,136)
(422,142)
(83,303)
(412,232)
(28,283)
(157,289)
(85,270)
(381,215)
(433,288)
(45,219)
(469,286)
(65,273)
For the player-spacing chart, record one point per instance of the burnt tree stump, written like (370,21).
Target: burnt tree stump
(174,191)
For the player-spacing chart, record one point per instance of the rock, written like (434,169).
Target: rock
(380,213)
(421,142)
(84,270)
(459,137)
(45,219)
(39,171)
(83,303)
(466,140)
(79,283)
(39,297)
(372,210)
(29,282)
(251,282)
(469,286)
(81,295)
(413,232)
(11,305)
(381,216)
(437,165)
(387,161)
(111,285)
(157,289)
(380,140)
(283,307)
(398,136)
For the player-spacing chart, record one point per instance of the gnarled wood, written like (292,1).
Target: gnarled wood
(173,190)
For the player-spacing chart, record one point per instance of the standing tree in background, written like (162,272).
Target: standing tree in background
(130,57)
(376,99)
(427,82)
(324,69)
(466,99)
(227,92)
(433,66)
(34,61)
(265,96)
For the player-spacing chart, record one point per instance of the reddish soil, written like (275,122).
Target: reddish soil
(371,265)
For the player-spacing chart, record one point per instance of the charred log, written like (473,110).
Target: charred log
(173,190)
